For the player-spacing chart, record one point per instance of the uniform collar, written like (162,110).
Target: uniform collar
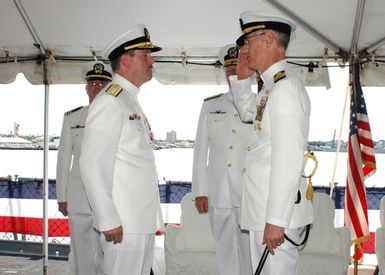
(268,75)
(126,85)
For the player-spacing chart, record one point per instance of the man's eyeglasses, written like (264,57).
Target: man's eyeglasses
(97,84)
(246,40)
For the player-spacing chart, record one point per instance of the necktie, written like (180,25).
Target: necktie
(260,83)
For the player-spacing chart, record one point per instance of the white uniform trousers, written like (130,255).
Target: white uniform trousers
(232,244)
(134,255)
(71,262)
(87,253)
(285,260)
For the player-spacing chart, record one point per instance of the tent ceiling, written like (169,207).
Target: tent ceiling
(69,33)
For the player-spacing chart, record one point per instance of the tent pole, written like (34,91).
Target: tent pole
(332,183)
(357,26)
(352,62)
(45,171)
(316,34)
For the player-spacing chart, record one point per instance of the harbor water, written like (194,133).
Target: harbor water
(176,165)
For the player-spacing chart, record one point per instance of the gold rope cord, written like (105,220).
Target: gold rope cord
(310,155)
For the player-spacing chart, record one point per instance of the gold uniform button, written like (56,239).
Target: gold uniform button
(236,115)
(244,170)
(234,131)
(229,165)
(248,148)
(231,147)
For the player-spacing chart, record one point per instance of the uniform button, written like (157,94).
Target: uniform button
(244,170)
(234,131)
(255,128)
(248,148)
(229,165)
(236,115)
(231,147)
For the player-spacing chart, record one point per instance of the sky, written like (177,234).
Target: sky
(177,107)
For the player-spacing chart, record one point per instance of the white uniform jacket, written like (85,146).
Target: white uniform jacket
(69,185)
(278,142)
(117,163)
(220,147)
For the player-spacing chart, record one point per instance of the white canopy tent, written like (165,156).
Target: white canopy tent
(56,42)
(70,35)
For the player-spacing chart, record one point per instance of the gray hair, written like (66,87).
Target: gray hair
(282,38)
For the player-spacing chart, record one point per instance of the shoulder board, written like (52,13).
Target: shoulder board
(212,97)
(114,90)
(278,76)
(73,110)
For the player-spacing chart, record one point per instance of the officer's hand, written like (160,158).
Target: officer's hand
(202,204)
(114,235)
(63,208)
(242,68)
(273,236)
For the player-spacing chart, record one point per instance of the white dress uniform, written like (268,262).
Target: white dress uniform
(118,170)
(274,164)
(220,147)
(69,188)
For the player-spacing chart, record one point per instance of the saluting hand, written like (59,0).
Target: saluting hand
(242,68)
(273,236)
(202,204)
(114,235)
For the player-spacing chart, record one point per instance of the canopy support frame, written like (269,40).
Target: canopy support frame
(313,32)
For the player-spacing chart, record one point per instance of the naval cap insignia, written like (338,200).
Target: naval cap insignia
(241,22)
(98,68)
(232,52)
(146,33)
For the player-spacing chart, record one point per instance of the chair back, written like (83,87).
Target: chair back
(323,226)
(196,231)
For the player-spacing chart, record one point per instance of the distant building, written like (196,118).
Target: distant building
(171,137)
(16,127)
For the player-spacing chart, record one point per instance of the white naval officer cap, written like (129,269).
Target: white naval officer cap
(136,38)
(252,21)
(228,55)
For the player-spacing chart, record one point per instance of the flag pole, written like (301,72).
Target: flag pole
(355,258)
(332,183)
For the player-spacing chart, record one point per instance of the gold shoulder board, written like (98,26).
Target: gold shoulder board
(114,90)
(212,97)
(278,76)
(73,110)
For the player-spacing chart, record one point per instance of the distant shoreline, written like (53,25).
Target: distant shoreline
(342,150)
(21,148)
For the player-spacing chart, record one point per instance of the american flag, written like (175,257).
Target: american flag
(361,163)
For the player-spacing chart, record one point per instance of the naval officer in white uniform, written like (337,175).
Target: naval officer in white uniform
(220,147)
(71,197)
(274,201)
(117,161)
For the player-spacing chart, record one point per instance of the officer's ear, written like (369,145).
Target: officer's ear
(269,38)
(125,60)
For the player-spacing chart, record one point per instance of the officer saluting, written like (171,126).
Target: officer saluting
(71,197)
(117,161)
(220,147)
(274,201)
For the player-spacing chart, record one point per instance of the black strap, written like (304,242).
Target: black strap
(304,240)
(151,272)
(266,251)
(262,261)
